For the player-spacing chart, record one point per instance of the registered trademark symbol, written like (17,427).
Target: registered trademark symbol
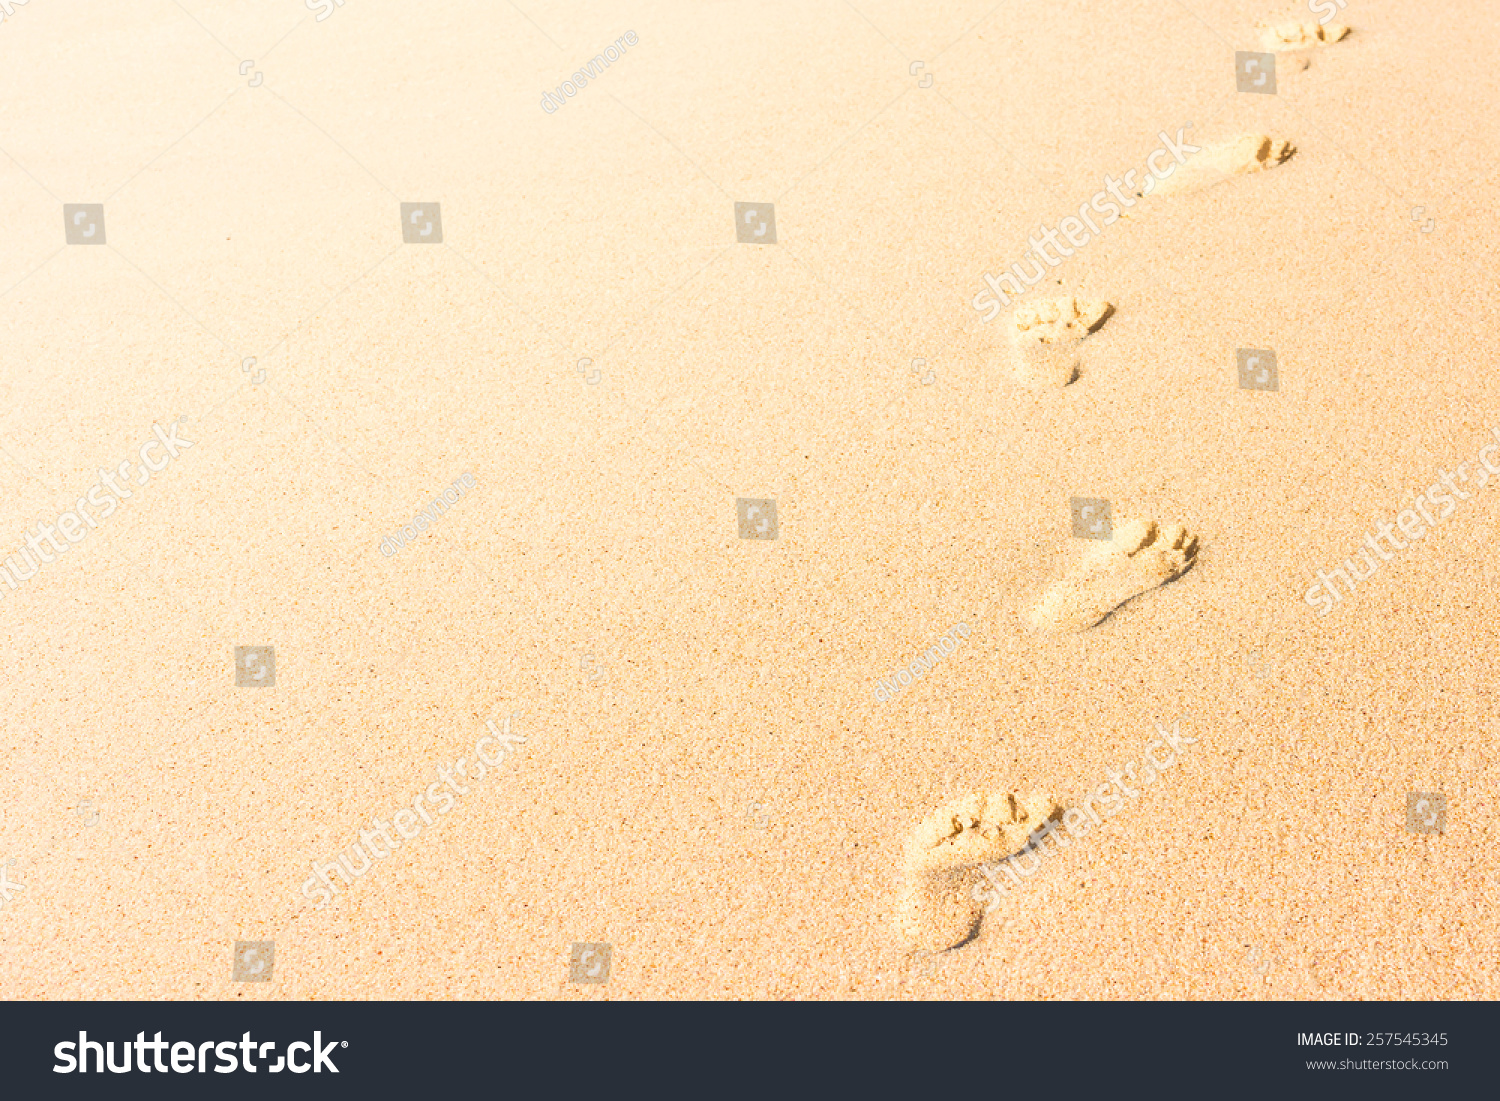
(344,1043)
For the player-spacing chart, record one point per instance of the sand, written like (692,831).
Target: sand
(696,770)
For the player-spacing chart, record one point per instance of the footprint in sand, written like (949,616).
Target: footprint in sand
(1139,557)
(942,853)
(1301,36)
(1217,163)
(1046,336)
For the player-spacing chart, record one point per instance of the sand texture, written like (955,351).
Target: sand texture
(680,532)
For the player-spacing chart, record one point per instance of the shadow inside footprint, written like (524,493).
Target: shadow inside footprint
(1139,556)
(944,852)
(1033,845)
(1192,560)
(1047,337)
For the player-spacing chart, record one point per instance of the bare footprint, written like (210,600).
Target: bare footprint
(1138,558)
(1301,36)
(1046,335)
(937,910)
(1217,163)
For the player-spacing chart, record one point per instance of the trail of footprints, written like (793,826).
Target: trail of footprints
(936,908)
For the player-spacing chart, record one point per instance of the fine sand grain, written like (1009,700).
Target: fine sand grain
(740,446)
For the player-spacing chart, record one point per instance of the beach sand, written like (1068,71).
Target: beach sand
(708,782)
